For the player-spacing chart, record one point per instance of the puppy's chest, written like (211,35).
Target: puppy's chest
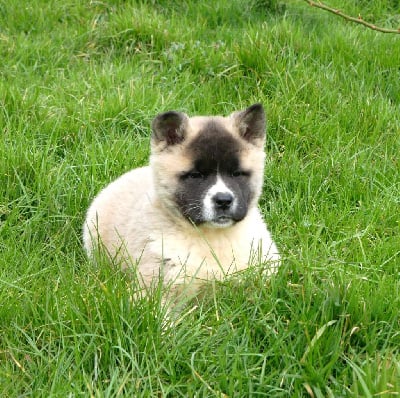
(199,256)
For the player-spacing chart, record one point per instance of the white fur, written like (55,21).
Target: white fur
(208,202)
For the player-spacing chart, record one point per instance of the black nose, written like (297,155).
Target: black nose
(223,200)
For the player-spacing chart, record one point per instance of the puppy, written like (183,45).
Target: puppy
(191,215)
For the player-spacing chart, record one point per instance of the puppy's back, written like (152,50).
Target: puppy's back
(127,200)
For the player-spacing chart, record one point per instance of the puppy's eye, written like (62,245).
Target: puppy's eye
(194,175)
(240,173)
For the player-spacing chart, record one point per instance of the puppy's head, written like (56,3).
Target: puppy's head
(209,169)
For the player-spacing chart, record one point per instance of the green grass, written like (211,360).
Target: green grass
(80,83)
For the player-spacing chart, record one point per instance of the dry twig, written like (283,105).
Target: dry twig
(358,19)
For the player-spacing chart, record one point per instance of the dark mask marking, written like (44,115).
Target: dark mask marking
(214,151)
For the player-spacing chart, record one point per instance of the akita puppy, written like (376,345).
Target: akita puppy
(192,214)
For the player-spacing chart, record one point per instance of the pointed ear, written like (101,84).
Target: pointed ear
(251,123)
(170,127)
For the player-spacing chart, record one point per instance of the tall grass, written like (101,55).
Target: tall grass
(80,82)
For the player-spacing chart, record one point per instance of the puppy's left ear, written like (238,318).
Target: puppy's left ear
(251,124)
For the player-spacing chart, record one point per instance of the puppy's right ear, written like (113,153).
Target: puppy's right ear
(170,127)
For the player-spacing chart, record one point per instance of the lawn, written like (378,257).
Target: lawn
(80,84)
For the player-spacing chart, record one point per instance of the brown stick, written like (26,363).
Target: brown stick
(358,20)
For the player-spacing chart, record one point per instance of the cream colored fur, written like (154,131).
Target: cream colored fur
(136,221)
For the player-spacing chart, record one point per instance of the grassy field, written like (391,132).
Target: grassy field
(80,83)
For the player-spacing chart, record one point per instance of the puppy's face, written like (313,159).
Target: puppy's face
(209,169)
